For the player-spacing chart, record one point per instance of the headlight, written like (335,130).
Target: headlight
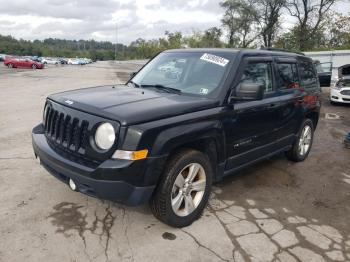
(105,136)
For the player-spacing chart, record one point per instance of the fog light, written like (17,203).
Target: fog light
(72,185)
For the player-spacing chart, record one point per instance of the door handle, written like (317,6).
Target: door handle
(300,100)
(272,105)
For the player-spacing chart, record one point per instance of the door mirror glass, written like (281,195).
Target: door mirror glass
(249,92)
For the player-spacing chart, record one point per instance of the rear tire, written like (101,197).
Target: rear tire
(10,65)
(180,197)
(302,145)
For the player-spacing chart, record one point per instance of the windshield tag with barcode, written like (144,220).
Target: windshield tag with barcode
(215,59)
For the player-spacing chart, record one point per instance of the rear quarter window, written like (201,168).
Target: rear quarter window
(308,74)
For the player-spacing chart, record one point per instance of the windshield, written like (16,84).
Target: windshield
(197,73)
(344,82)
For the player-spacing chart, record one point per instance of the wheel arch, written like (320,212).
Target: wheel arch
(207,146)
(313,116)
(208,141)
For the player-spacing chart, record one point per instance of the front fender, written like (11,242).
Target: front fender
(177,136)
(163,136)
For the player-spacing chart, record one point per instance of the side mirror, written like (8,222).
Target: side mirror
(249,92)
(132,74)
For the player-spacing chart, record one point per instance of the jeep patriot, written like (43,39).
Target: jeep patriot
(187,119)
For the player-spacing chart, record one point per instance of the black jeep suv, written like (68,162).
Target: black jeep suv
(188,118)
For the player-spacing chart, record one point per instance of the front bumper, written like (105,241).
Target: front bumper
(336,96)
(129,182)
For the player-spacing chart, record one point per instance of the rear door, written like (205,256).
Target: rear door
(324,71)
(290,96)
(310,85)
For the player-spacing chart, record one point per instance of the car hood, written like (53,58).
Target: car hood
(131,105)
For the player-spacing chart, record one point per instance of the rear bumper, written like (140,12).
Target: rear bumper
(105,181)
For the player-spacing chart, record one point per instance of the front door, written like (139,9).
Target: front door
(21,63)
(250,129)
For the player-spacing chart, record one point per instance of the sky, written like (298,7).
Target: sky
(100,20)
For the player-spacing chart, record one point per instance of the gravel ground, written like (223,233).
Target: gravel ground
(274,211)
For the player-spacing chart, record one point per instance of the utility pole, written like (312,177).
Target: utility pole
(116,42)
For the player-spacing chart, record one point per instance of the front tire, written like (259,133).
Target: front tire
(184,189)
(10,65)
(302,145)
(34,66)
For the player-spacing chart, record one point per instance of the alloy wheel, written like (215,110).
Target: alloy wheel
(305,140)
(188,189)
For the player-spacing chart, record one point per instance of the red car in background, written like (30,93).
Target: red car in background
(22,62)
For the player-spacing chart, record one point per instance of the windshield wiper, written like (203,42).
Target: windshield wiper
(165,88)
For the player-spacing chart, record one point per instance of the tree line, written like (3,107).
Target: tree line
(244,24)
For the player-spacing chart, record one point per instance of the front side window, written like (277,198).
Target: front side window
(287,74)
(260,73)
(195,73)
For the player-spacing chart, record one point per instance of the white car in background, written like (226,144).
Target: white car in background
(79,61)
(74,61)
(87,60)
(340,91)
(2,57)
(48,60)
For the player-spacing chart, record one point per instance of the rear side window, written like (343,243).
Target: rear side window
(308,74)
(287,75)
(259,72)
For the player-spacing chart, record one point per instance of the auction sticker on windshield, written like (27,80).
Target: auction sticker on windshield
(214,59)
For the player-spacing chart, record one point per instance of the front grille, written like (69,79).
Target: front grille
(70,133)
(345,92)
(66,131)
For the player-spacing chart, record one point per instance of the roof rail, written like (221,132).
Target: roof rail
(280,50)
